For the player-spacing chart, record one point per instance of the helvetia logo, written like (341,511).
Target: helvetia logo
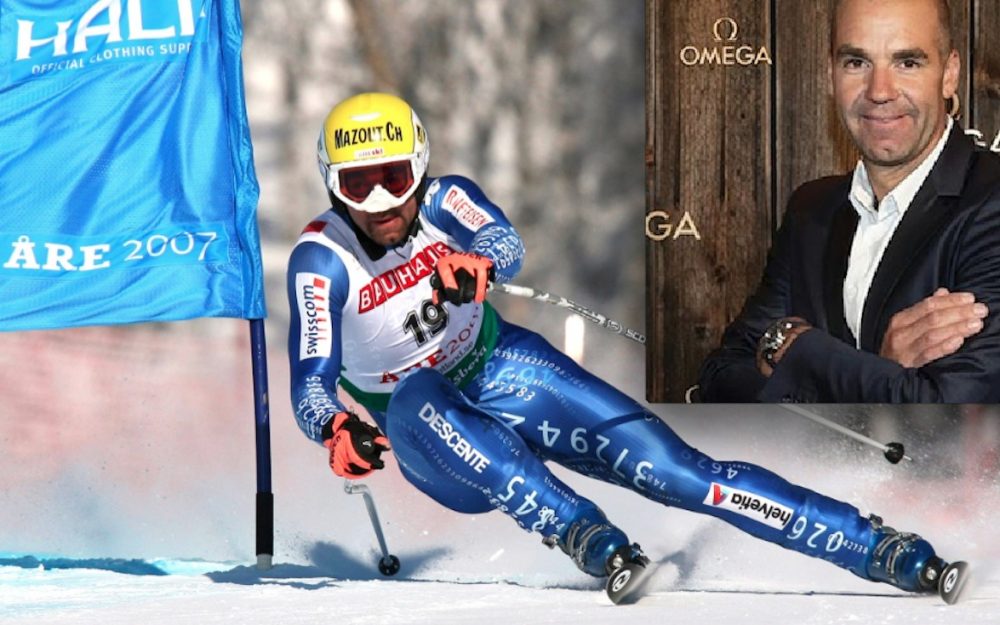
(316,334)
(750,505)
(718,495)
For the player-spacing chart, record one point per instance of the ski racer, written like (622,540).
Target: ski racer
(387,292)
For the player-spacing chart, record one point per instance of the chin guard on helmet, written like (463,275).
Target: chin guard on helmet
(373,152)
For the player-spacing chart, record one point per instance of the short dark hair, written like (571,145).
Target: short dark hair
(944,26)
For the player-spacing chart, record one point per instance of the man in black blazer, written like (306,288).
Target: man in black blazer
(882,286)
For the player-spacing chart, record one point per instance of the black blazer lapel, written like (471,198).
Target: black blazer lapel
(921,222)
(838,251)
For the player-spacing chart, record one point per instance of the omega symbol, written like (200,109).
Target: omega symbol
(717,31)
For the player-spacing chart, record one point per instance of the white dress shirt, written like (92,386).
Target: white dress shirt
(876,224)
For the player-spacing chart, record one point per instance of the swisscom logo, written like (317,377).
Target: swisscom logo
(316,334)
(748,504)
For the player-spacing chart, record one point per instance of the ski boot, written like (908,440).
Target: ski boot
(907,561)
(600,549)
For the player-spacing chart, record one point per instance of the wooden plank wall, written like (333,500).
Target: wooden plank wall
(985,73)
(708,136)
(738,114)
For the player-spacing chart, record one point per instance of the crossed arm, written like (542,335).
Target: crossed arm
(945,348)
(931,329)
(918,360)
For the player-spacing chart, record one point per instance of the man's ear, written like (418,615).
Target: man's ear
(952,72)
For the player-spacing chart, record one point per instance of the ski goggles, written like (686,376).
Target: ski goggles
(358,183)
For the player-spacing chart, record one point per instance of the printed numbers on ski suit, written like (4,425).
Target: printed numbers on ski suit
(430,321)
(703,464)
(814,537)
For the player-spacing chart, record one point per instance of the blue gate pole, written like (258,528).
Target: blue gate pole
(265,498)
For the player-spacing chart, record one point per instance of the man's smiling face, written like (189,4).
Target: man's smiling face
(891,76)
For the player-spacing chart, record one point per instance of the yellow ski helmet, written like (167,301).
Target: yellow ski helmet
(373,152)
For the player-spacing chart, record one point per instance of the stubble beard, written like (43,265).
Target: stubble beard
(901,152)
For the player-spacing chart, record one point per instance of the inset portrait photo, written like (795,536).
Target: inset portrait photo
(823,201)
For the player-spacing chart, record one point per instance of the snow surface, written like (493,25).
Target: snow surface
(309,595)
(135,502)
(112,517)
(329,592)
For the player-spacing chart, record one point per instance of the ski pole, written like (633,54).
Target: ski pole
(894,452)
(389,564)
(562,302)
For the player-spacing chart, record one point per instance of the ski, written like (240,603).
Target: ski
(953,579)
(626,582)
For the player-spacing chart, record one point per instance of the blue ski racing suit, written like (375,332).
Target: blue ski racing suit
(474,406)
